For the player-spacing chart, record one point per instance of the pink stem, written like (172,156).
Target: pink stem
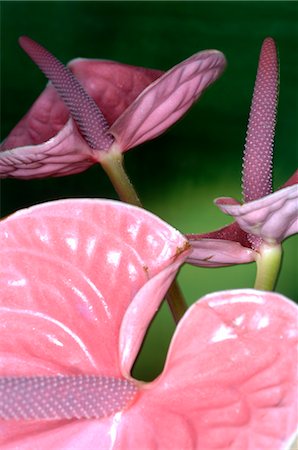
(63,397)
(88,117)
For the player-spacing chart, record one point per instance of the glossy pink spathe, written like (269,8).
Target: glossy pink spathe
(81,280)
(272,218)
(167,99)
(86,260)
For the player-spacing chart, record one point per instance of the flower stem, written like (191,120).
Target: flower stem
(113,166)
(112,163)
(176,301)
(268,265)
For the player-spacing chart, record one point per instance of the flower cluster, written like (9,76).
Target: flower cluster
(81,279)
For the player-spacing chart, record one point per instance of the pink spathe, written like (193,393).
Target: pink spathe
(80,283)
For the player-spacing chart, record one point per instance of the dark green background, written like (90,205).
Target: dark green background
(179,174)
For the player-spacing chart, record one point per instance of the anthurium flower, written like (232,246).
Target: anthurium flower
(111,107)
(80,281)
(265,219)
(273,218)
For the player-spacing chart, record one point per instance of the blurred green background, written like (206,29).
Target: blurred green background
(180,173)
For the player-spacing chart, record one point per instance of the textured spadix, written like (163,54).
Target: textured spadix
(63,397)
(90,120)
(258,154)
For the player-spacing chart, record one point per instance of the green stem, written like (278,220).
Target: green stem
(112,163)
(113,166)
(268,265)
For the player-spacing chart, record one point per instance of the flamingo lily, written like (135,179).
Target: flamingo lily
(80,282)
(265,219)
(111,107)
